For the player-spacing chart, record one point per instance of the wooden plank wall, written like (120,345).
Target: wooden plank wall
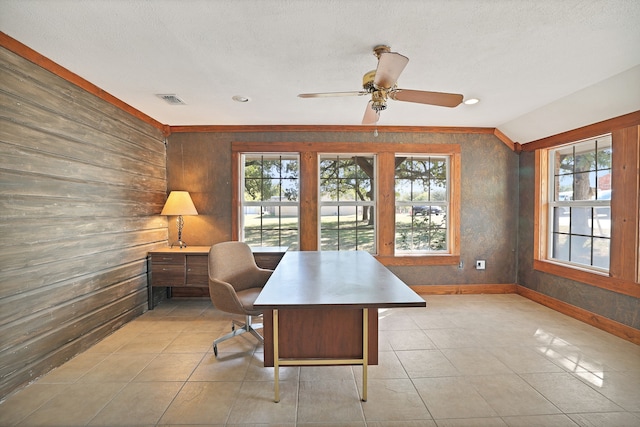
(81,187)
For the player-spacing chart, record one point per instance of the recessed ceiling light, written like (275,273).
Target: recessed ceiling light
(239,98)
(471,101)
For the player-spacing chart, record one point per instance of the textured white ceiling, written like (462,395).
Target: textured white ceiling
(539,66)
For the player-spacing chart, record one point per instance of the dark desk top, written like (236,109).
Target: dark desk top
(342,279)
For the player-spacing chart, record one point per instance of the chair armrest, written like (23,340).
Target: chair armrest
(264,275)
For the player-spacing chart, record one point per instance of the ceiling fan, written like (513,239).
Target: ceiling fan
(381,84)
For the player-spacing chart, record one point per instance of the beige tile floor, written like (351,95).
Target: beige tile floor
(465,360)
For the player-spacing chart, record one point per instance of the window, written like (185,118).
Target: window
(270,200)
(334,196)
(580,203)
(587,205)
(422,204)
(347,202)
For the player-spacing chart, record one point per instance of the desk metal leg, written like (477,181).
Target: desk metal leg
(276,357)
(365,351)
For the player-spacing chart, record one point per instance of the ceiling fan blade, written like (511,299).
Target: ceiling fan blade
(330,94)
(370,115)
(441,99)
(390,65)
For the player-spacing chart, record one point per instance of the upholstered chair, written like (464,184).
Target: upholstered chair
(235,281)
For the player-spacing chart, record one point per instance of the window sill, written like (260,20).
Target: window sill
(411,260)
(593,278)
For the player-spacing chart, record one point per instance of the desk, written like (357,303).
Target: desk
(187,269)
(320,308)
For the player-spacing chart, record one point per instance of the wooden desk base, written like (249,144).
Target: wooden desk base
(315,337)
(320,308)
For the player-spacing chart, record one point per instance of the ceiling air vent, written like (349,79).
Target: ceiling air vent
(171,98)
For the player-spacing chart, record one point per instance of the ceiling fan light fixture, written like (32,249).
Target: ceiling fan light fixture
(471,101)
(378,106)
(378,101)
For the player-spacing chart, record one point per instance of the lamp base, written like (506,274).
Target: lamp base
(179,243)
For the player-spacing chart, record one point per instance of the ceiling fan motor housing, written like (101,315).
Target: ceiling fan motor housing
(367,81)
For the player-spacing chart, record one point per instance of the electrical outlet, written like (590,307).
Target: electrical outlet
(480,264)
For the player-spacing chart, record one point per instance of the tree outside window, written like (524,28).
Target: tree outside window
(347,202)
(270,200)
(422,204)
(580,194)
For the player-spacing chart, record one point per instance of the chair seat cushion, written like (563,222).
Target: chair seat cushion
(247,297)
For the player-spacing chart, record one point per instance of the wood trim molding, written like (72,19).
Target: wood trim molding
(625,206)
(31,55)
(508,288)
(507,141)
(343,147)
(600,128)
(455,204)
(386,207)
(611,326)
(327,128)
(541,205)
(413,260)
(308,226)
(235,196)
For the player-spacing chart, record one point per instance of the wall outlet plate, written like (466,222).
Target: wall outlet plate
(480,264)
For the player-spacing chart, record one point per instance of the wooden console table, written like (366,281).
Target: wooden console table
(320,308)
(189,267)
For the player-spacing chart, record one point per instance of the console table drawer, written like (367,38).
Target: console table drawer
(167,274)
(171,259)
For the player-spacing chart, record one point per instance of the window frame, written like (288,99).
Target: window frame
(347,203)
(385,192)
(412,203)
(594,204)
(265,203)
(624,269)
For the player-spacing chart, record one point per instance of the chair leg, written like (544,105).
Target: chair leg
(252,328)
(240,329)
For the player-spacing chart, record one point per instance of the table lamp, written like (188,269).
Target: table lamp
(179,203)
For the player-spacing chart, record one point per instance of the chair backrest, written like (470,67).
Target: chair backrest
(233,263)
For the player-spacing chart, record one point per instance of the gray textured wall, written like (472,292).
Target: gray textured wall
(200,163)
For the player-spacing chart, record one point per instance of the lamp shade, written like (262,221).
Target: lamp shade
(179,203)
